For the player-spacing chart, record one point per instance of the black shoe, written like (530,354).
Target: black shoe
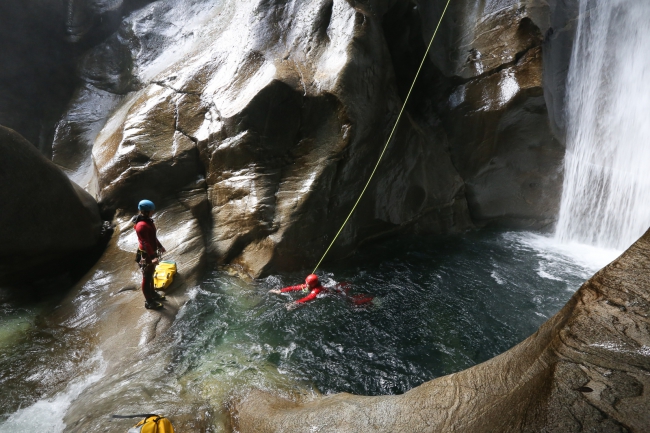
(158,297)
(153,305)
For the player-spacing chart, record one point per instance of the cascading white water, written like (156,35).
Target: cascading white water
(606,197)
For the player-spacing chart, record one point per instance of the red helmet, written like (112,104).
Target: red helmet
(312,280)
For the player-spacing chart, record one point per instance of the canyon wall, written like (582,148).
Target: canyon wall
(273,110)
(494,110)
(277,111)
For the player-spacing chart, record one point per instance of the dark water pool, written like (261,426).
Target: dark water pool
(440,306)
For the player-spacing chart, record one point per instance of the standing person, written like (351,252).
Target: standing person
(147,256)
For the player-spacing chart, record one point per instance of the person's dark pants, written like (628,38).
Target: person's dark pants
(147,281)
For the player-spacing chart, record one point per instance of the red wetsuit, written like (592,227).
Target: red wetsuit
(147,240)
(341,289)
(148,245)
(312,294)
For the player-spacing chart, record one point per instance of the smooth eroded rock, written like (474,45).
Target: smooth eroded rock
(131,342)
(278,109)
(489,95)
(502,145)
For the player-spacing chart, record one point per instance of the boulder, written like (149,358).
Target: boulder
(586,369)
(47,221)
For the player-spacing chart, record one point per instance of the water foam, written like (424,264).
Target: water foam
(589,257)
(47,414)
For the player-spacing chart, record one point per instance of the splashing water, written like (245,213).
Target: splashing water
(607,182)
(47,414)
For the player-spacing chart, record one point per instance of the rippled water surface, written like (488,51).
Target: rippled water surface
(440,306)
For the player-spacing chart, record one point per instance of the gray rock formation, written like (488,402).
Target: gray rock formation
(502,145)
(277,110)
(271,107)
(174,70)
(494,111)
(558,47)
(47,220)
(586,369)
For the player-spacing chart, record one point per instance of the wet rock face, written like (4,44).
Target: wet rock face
(558,47)
(480,37)
(503,147)
(41,42)
(47,221)
(586,369)
(272,109)
(494,112)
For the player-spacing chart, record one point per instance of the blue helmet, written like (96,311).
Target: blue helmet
(146,206)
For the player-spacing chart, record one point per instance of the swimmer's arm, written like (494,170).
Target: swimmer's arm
(293,288)
(309,297)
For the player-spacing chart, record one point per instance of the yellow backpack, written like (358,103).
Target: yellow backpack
(164,275)
(153,424)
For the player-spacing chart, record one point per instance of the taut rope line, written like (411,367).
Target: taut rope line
(399,116)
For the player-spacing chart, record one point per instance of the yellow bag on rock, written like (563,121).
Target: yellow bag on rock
(164,275)
(153,424)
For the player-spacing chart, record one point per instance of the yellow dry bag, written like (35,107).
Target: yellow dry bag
(164,275)
(153,424)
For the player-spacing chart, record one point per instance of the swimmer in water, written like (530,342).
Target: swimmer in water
(313,287)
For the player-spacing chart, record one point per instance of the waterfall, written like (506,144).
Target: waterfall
(606,196)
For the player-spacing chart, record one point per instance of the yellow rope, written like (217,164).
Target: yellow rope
(389,138)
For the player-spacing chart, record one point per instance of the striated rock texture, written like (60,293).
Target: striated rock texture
(276,110)
(586,369)
(46,220)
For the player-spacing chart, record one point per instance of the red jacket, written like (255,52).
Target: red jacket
(147,240)
(304,287)
(342,289)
